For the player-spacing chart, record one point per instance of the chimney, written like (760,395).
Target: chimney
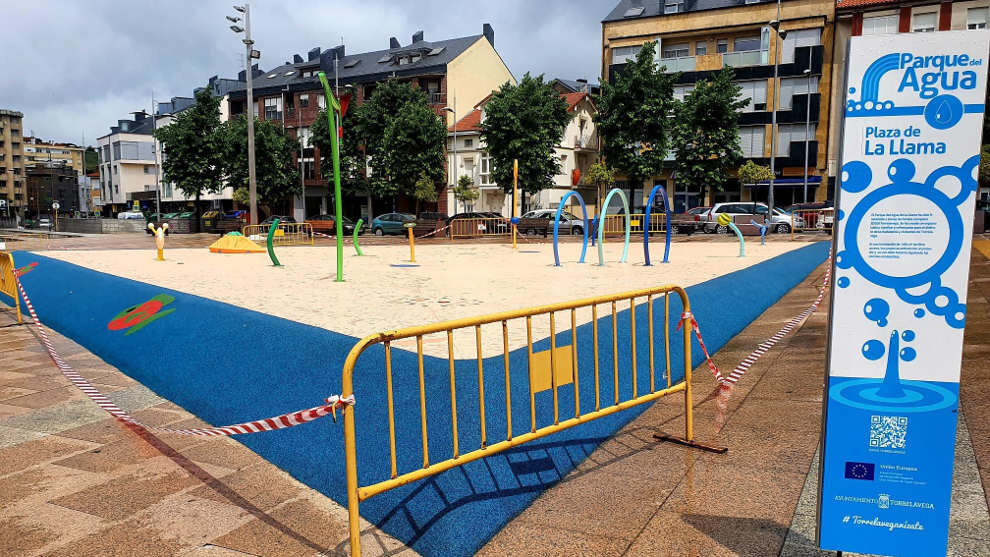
(339,52)
(242,75)
(393,43)
(296,59)
(584,85)
(314,53)
(489,33)
(417,36)
(255,71)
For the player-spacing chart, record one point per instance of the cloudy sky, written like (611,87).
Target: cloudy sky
(74,67)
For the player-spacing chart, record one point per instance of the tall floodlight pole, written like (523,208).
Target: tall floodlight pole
(333,113)
(807,126)
(158,188)
(250,54)
(453,112)
(775,25)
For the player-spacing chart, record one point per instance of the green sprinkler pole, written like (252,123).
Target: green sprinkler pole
(332,113)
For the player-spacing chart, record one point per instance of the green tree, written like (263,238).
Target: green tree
(465,191)
(634,117)
(353,180)
(752,173)
(425,190)
(275,166)
(411,148)
(602,177)
(193,149)
(706,132)
(525,122)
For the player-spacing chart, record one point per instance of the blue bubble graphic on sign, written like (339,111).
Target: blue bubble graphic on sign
(936,298)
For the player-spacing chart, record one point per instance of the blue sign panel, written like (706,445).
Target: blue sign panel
(910,156)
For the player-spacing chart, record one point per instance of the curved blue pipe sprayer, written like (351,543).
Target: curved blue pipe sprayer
(601,225)
(594,230)
(556,225)
(646,229)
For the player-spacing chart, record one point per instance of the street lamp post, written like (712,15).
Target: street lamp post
(775,25)
(250,54)
(807,127)
(453,112)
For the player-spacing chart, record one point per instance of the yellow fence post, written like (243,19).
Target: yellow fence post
(8,283)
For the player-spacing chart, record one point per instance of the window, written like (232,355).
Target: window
(484,172)
(681,91)
(673,6)
(880,25)
(321,101)
(924,23)
(743,44)
(756,92)
(116,150)
(751,141)
(796,38)
(791,86)
(273,108)
(786,133)
(622,54)
(468,143)
(700,48)
(752,1)
(115,170)
(305,137)
(976,18)
(676,50)
(303,101)
(149,169)
(634,12)
(255,108)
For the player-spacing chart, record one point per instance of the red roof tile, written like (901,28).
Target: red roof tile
(857,3)
(469,123)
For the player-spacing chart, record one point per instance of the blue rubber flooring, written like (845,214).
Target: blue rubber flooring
(227,364)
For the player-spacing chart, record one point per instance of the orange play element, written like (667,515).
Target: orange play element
(235,242)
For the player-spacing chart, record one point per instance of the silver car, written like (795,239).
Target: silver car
(569,223)
(782,221)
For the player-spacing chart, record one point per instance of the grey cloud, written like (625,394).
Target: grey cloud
(75,67)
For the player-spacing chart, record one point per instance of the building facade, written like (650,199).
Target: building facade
(578,149)
(127,165)
(47,184)
(452,72)
(697,38)
(12,176)
(874,17)
(40,152)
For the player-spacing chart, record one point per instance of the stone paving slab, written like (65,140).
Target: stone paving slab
(74,481)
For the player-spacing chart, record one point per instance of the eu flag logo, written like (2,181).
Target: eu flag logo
(859,470)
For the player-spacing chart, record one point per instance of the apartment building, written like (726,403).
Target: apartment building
(453,72)
(40,152)
(12,191)
(697,38)
(874,17)
(48,184)
(127,164)
(578,149)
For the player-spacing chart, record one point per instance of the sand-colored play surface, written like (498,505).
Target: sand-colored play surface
(452,281)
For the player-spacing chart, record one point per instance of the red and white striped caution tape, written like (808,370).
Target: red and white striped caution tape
(101,400)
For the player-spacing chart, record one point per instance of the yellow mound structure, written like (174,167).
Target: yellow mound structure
(235,242)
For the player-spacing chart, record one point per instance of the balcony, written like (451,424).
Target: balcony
(745,58)
(585,143)
(680,64)
(437,98)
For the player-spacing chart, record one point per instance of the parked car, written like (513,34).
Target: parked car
(685,223)
(130,215)
(781,222)
(391,223)
(428,215)
(281,218)
(820,215)
(699,211)
(327,224)
(569,223)
(44,223)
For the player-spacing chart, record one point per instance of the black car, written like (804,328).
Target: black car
(281,219)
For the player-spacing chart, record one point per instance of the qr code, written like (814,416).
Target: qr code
(888,432)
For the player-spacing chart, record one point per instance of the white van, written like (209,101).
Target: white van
(782,220)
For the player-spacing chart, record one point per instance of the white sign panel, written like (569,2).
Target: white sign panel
(914,108)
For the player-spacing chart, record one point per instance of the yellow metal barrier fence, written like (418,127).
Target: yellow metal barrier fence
(561,359)
(8,285)
(478,227)
(287,233)
(616,224)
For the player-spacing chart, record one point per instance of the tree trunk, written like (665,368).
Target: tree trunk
(196,213)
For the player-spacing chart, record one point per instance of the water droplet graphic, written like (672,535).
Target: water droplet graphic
(873,350)
(877,309)
(908,335)
(919,313)
(843,282)
(908,354)
(942,112)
